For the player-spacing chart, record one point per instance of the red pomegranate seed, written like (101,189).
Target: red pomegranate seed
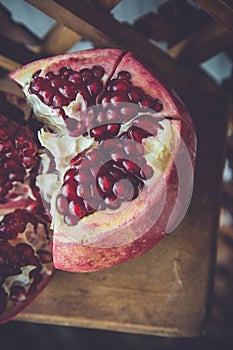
(65,72)
(87,75)
(68,90)
(99,132)
(25,249)
(146,172)
(84,190)
(157,105)
(137,134)
(98,71)
(124,75)
(77,207)
(75,78)
(18,293)
(123,189)
(136,93)
(95,87)
(71,220)
(69,188)
(105,183)
(62,204)
(113,129)
(112,202)
(120,85)
(70,174)
(131,167)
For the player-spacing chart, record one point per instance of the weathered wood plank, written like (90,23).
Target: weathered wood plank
(205,43)
(221,10)
(60,38)
(102,29)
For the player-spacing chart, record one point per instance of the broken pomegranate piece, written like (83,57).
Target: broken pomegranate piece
(24,224)
(123,148)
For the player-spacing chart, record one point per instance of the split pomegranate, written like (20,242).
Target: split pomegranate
(25,255)
(123,150)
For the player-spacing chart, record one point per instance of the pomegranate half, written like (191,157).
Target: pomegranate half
(121,147)
(25,254)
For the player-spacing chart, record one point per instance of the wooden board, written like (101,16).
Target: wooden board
(167,291)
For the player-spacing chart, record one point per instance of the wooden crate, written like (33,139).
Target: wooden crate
(168,291)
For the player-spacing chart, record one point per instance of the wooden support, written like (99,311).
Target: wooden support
(103,30)
(205,43)
(60,38)
(221,10)
(8,64)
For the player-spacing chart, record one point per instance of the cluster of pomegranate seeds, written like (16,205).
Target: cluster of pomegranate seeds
(107,176)
(14,223)
(18,153)
(13,258)
(58,90)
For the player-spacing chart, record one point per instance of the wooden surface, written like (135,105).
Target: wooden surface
(166,291)
(221,10)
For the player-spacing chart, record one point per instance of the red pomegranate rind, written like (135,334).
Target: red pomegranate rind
(128,81)
(108,58)
(23,223)
(75,257)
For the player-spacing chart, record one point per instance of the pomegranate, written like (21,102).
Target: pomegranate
(122,148)
(25,255)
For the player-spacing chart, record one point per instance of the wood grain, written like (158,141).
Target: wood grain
(205,43)
(102,29)
(60,38)
(221,10)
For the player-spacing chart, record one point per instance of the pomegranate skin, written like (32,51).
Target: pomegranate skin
(23,225)
(68,253)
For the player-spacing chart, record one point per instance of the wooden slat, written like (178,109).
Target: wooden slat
(222,10)
(60,38)
(16,52)
(8,64)
(102,29)
(205,43)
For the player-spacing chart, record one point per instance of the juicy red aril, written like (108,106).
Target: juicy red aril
(61,89)
(77,207)
(98,71)
(105,183)
(123,190)
(25,249)
(137,134)
(69,189)
(105,131)
(14,223)
(18,293)
(11,225)
(18,151)
(157,105)
(124,75)
(62,204)
(103,178)
(71,220)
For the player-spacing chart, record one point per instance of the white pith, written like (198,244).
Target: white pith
(90,229)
